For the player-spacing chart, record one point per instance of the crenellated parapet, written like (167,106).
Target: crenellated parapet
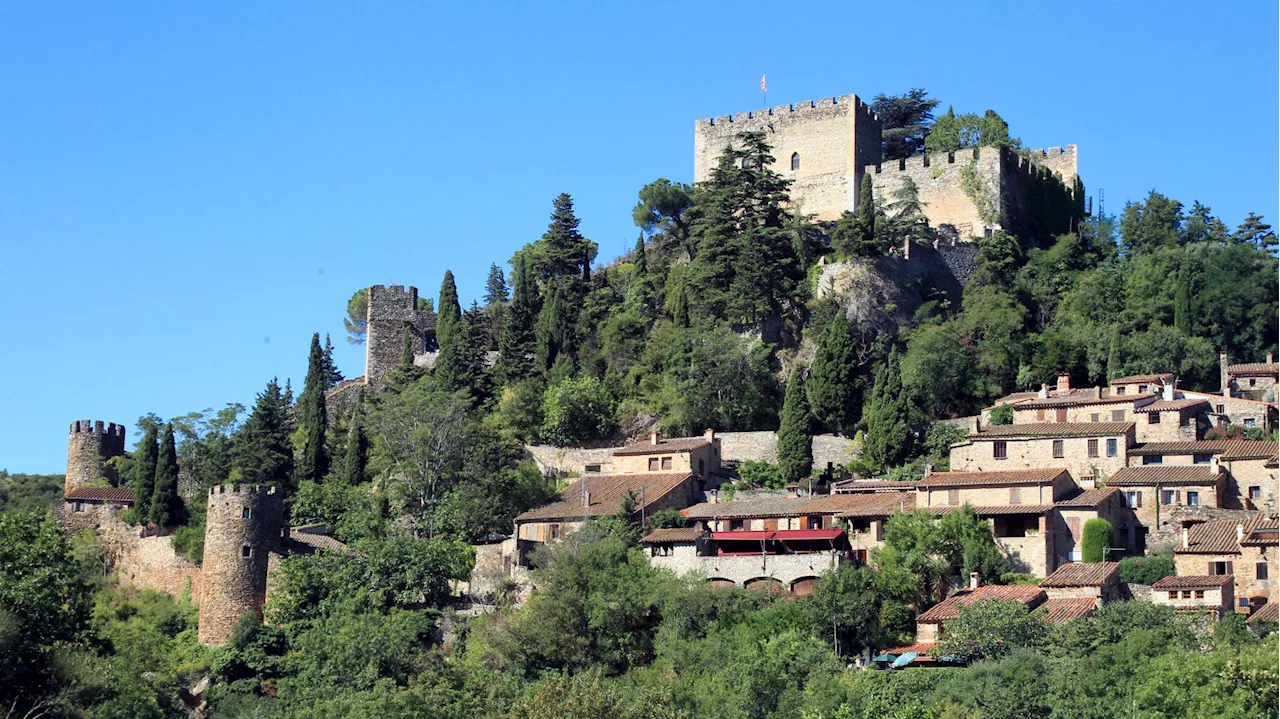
(90,444)
(392,310)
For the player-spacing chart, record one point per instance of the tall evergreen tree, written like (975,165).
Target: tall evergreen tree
(641,263)
(833,379)
(449,312)
(517,341)
(495,288)
(681,313)
(563,252)
(553,328)
(408,348)
(1182,300)
(314,464)
(331,374)
(262,453)
(866,224)
(888,440)
(166,506)
(144,471)
(356,457)
(461,363)
(795,440)
(1113,354)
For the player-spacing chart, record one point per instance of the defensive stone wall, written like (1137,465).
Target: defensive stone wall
(150,562)
(392,309)
(832,140)
(242,527)
(89,446)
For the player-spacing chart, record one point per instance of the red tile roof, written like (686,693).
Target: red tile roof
(123,495)
(1082,574)
(950,607)
(675,534)
(1199,581)
(924,649)
(1089,498)
(851,486)
(1000,477)
(1263,533)
(1169,405)
(1138,378)
(1053,429)
(1082,400)
(992,510)
(1218,537)
(1152,474)
(1063,609)
(1254,368)
(664,446)
(1269,612)
(605,493)
(1227,448)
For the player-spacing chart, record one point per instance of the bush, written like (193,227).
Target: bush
(1146,570)
(189,540)
(1096,538)
(577,410)
(667,519)
(1002,414)
(761,474)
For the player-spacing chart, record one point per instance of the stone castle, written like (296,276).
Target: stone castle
(826,147)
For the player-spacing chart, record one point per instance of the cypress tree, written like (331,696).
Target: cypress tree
(866,220)
(144,471)
(1182,301)
(642,264)
(1113,355)
(314,464)
(552,330)
(353,463)
(516,343)
(681,313)
(166,506)
(888,439)
(408,348)
(262,452)
(795,443)
(331,374)
(449,311)
(833,389)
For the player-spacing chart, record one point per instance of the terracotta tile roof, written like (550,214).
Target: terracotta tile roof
(851,486)
(1014,398)
(1269,612)
(664,446)
(924,649)
(1219,399)
(605,493)
(1001,477)
(675,534)
(102,494)
(877,504)
(950,607)
(1089,498)
(1063,609)
(1263,533)
(1254,368)
(1227,448)
(306,542)
(1138,378)
(1218,537)
(1172,475)
(1169,405)
(992,510)
(1053,429)
(1198,581)
(1082,574)
(1082,400)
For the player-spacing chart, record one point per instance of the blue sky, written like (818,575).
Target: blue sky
(189,190)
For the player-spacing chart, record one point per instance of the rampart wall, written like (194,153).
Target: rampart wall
(150,562)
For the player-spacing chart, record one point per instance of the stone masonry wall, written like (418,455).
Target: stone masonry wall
(834,138)
(938,180)
(236,584)
(151,562)
(391,309)
(88,446)
(786,568)
(1037,453)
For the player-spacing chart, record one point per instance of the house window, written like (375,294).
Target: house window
(1261,570)
(1255,491)
(244,513)
(1093,448)
(1249,421)
(1201,458)
(1221,410)
(1111,448)
(1142,388)
(795,161)
(1153,459)
(1060,416)
(1000,449)
(1184,421)
(1173,595)
(1186,594)
(1015,495)
(1117,415)
(814,523)
(1133,499)
(77,506)
(1253,382)
(1153,418)
(666,463)
(953,497)
(592,469)
(1193,499)
(653,464)
(246,551)
(1057,449)
(555,532)
(1120,389)
(735,525)
(1166,496)
(1039,415)
(1199,594)
(1219,569)
(1093,417)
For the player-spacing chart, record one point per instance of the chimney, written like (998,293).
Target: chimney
(1239,533)
(713,496)
(1186,538)
(928,470)
(1064,382)
(1044,391)
(793,490)
(1225,378)
(975,580)
(709,434)
(1271,358)
(1166,391)
(586,498)
(977,424)
(654,437)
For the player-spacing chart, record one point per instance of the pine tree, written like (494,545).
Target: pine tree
(331,374)
(495,288)
(553,329)
(563,252)
(516,342)
(1113,355)
(449,312)
(408,348)
(888,439)
(681,313)
(261,452)
(642,264)
(833,379)
(144,471)
(166,506)
(356,457)
(314,464)
(795,442)
(1182,300)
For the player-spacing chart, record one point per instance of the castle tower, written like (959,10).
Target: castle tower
(392,308)
(242,526)
(822,146)
(89,447)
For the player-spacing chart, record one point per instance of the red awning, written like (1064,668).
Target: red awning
(803,534)
(753,536)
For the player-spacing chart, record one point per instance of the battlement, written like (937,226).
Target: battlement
(245,489)
(825,107)
(85,426)
(90,443)
(911,164)
(1052,152)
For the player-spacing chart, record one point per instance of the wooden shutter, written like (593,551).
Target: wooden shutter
(1061,415)
(1231,569)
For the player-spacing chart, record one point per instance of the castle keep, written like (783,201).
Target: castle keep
(392,310)
(242,528)
(89,447)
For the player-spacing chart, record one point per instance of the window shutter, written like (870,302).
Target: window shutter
(1139,499)
(1231,569)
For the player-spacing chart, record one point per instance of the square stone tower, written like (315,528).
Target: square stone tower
(823,146)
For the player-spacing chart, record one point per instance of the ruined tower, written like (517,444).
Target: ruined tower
(89,447)
(242,527)
(392,308)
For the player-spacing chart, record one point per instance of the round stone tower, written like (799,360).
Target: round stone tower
(89,447)
(242,527)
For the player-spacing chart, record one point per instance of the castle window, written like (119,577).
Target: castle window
(244,513)
(795,161)
(246,551)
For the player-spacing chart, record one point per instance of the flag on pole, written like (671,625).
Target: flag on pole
(762,85)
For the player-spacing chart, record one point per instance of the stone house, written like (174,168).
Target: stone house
(782,561)
(1084,405)
(1142,384)
(92,507)
(698,456)
(1172,420)
(1152,489)
(1087,450)
(602,495)
(1105,503)
(1099,582)
(1255,380)
(1238,411)
(930,625)
(1251,483)
(1244,551)
(1195,593)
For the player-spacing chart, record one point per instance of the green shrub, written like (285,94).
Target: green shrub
(667,519)
(189,540)
(1096,538)
(761,474)
(1146,570)
(1002,414)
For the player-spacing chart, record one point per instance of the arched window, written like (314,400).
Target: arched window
(795,161)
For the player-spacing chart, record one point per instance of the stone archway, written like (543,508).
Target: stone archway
(720,583)
(803,586)
(765,584)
